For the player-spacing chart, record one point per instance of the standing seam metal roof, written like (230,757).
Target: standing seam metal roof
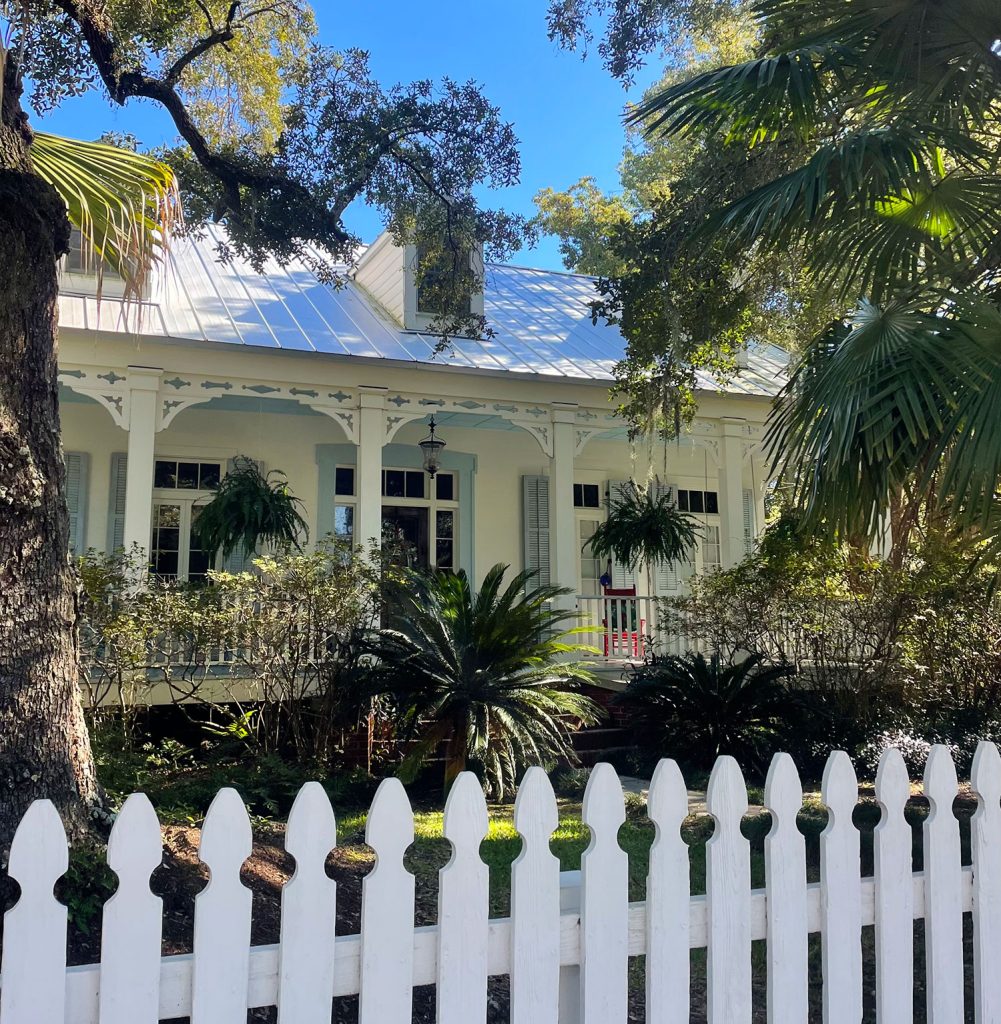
(541,319)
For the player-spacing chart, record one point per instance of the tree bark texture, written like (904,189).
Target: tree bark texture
(44,744)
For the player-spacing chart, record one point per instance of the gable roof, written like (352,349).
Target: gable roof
(541,319)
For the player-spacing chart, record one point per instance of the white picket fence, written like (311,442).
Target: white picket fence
(225,975)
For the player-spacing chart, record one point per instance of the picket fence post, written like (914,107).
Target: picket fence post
(535,905)
(387,911)
(728,899)
(308,912)
(604,914)
(943,892)
(985,829)
(840,895)
(222,916)
(33,964)
(785,882)
(463,908)
(668,895)
(894,893)
(132,924)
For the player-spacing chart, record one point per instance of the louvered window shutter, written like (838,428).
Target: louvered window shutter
(77,476)
(748,497)
(239,560)
(116,502)
(622,576)
(668,575)
(535,518)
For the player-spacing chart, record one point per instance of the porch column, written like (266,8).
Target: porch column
(143,396)
(371,437)
(562,522)
(731,492)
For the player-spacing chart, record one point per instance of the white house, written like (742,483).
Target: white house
(335,387)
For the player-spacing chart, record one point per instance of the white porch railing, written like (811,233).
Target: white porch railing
(225,975)
(627,628)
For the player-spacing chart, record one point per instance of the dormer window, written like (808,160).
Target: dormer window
(435,283)
(80,270)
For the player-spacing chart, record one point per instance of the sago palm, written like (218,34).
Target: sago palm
(489,675)
(887,116)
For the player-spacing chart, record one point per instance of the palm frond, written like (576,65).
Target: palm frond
(125,204)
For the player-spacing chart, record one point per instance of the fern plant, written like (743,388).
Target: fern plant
(644,525)
(251,508)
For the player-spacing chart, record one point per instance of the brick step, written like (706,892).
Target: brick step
(602,738)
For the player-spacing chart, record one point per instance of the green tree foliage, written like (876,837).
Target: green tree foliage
(279,133)
(877,127)
(489,675)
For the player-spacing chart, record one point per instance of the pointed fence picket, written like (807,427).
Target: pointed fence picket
(463,908)
(785,881)
(943,892)
(132,923)
(309,913)
(667,891)
(604,921)
(387,914)
(840,895)
(728,899)
(894,893)
(535,906)
(597,932)
(985,828)
(221,966)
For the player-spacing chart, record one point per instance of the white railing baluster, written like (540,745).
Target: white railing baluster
(535,905)
(785,882)
(668,886)
(840,896)
(604,916)
(131,930)
(986,842)
(728,898)
(943,892)
(894,893)
(463,908)
(222,916)
(33,965)
(387,911)
(308,913)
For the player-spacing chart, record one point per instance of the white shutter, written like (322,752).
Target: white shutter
(116,502)
(622,576)
(748,498)
(535,520)
(77,475)
(668,575)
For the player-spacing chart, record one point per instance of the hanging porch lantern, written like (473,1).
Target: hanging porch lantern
(431,446)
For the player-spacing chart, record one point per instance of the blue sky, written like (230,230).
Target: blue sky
(567,112)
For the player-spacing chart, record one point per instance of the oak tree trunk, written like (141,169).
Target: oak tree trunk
(44,745)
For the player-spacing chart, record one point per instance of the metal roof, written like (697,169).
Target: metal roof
(541,319)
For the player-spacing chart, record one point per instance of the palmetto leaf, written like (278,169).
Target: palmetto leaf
(124,203)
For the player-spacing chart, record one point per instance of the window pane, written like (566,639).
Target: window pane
(445,487)
(683,500)
(344,480)
(578,495)
(187,475)
(198,565)
(591,498)
(168,515)
(344,521)
(165,473)
(712,502)
(415,484)
(444,554)
(393,483)
(695,503)
(165,563)
(446,525)
(208,476)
